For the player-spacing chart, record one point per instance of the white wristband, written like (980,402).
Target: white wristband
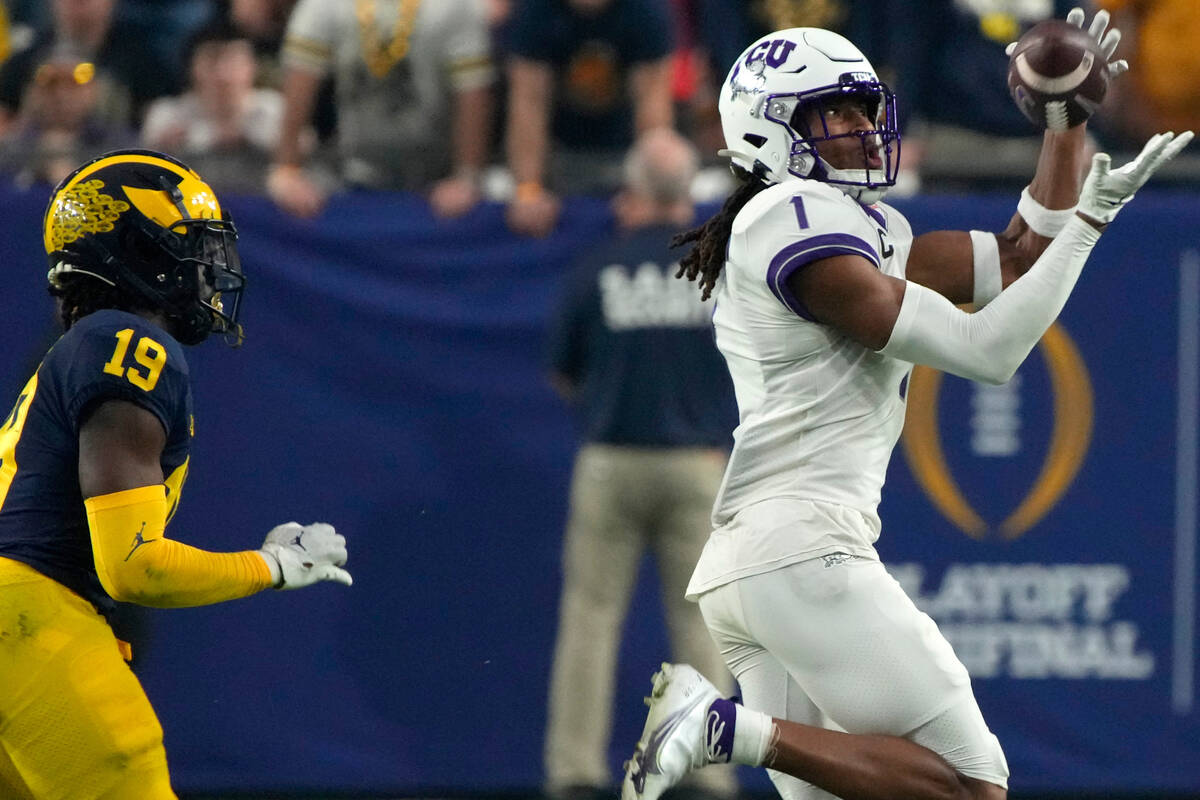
(1041,220)
(986,257)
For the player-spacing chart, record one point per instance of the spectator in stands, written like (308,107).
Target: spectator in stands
(80,27)
(223,126)
(264,23)
(120,48)
(1162,45)
(265,19)
(953,79)
(59,123)
(155,34)
(632,351)
(412,81)
(583,77)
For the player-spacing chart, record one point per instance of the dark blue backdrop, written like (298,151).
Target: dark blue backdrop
(391,384)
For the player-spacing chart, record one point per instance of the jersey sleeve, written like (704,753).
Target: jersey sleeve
(652,35)
(308,43)
(122,360)
(527,37)
(805,225)
(468,47)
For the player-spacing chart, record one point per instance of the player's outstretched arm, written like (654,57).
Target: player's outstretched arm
(120,477)
(975,268)
(989,345)
(1047,203)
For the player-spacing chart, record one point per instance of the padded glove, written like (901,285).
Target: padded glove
(301,555)
(1106,191)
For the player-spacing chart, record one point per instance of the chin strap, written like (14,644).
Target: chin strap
(758,170)
(732,154)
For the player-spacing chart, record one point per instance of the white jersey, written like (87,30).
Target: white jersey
(819,414)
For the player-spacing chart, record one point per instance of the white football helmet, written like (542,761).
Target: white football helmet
(765,96)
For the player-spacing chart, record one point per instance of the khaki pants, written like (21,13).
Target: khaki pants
(625,501)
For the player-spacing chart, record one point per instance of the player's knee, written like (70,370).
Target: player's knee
(137,766)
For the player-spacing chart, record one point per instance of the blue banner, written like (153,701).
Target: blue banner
(392,384)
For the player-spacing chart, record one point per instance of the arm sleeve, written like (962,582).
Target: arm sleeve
(311,31)
(652,36)
(468,48)
(527,31)
(137,563)
(990,344)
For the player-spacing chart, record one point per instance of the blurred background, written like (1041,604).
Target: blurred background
(413,182)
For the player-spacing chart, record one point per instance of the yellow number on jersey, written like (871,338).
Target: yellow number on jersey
(148,353)
(10,434)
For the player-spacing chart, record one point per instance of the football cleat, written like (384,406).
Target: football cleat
(672,742)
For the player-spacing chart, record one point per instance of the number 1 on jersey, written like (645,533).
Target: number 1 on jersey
(801,217)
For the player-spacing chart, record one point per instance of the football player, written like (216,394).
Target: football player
(824,302)
(93,457)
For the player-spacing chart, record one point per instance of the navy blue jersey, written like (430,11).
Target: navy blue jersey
(591,56)
(108,355)
(638,344)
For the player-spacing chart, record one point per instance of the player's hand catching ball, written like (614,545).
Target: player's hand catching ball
(1058,72)
(1106,42)
(1106,191)
(301,555)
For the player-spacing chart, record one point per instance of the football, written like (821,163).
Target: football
(1057,75)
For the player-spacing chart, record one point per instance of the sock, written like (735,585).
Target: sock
(734,733)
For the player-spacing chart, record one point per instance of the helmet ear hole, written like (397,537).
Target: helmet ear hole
(755,139)
(138,246)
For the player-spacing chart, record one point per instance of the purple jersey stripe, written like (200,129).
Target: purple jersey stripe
(800,254)
(876,215)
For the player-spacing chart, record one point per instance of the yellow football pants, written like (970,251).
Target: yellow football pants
(74,721)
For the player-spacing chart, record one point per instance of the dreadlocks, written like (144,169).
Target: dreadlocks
(707,257)
(79,295)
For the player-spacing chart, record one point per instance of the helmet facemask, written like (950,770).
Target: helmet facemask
(877,103)
(205,278)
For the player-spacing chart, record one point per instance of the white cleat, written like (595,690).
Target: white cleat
(672,743)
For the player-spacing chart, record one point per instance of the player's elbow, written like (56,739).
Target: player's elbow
(998,377)
(993,373)
(135,584)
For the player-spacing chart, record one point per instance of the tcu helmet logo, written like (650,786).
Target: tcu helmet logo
(774,52)
(750,81)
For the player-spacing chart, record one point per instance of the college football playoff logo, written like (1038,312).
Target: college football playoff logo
(1069,440)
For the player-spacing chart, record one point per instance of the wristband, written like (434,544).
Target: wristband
(989,282)
(1041,220)
(528,191)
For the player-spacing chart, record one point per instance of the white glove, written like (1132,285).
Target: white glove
(1105,192)
(1107,42)
(301,555)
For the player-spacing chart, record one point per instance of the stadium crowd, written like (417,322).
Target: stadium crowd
(515,101)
